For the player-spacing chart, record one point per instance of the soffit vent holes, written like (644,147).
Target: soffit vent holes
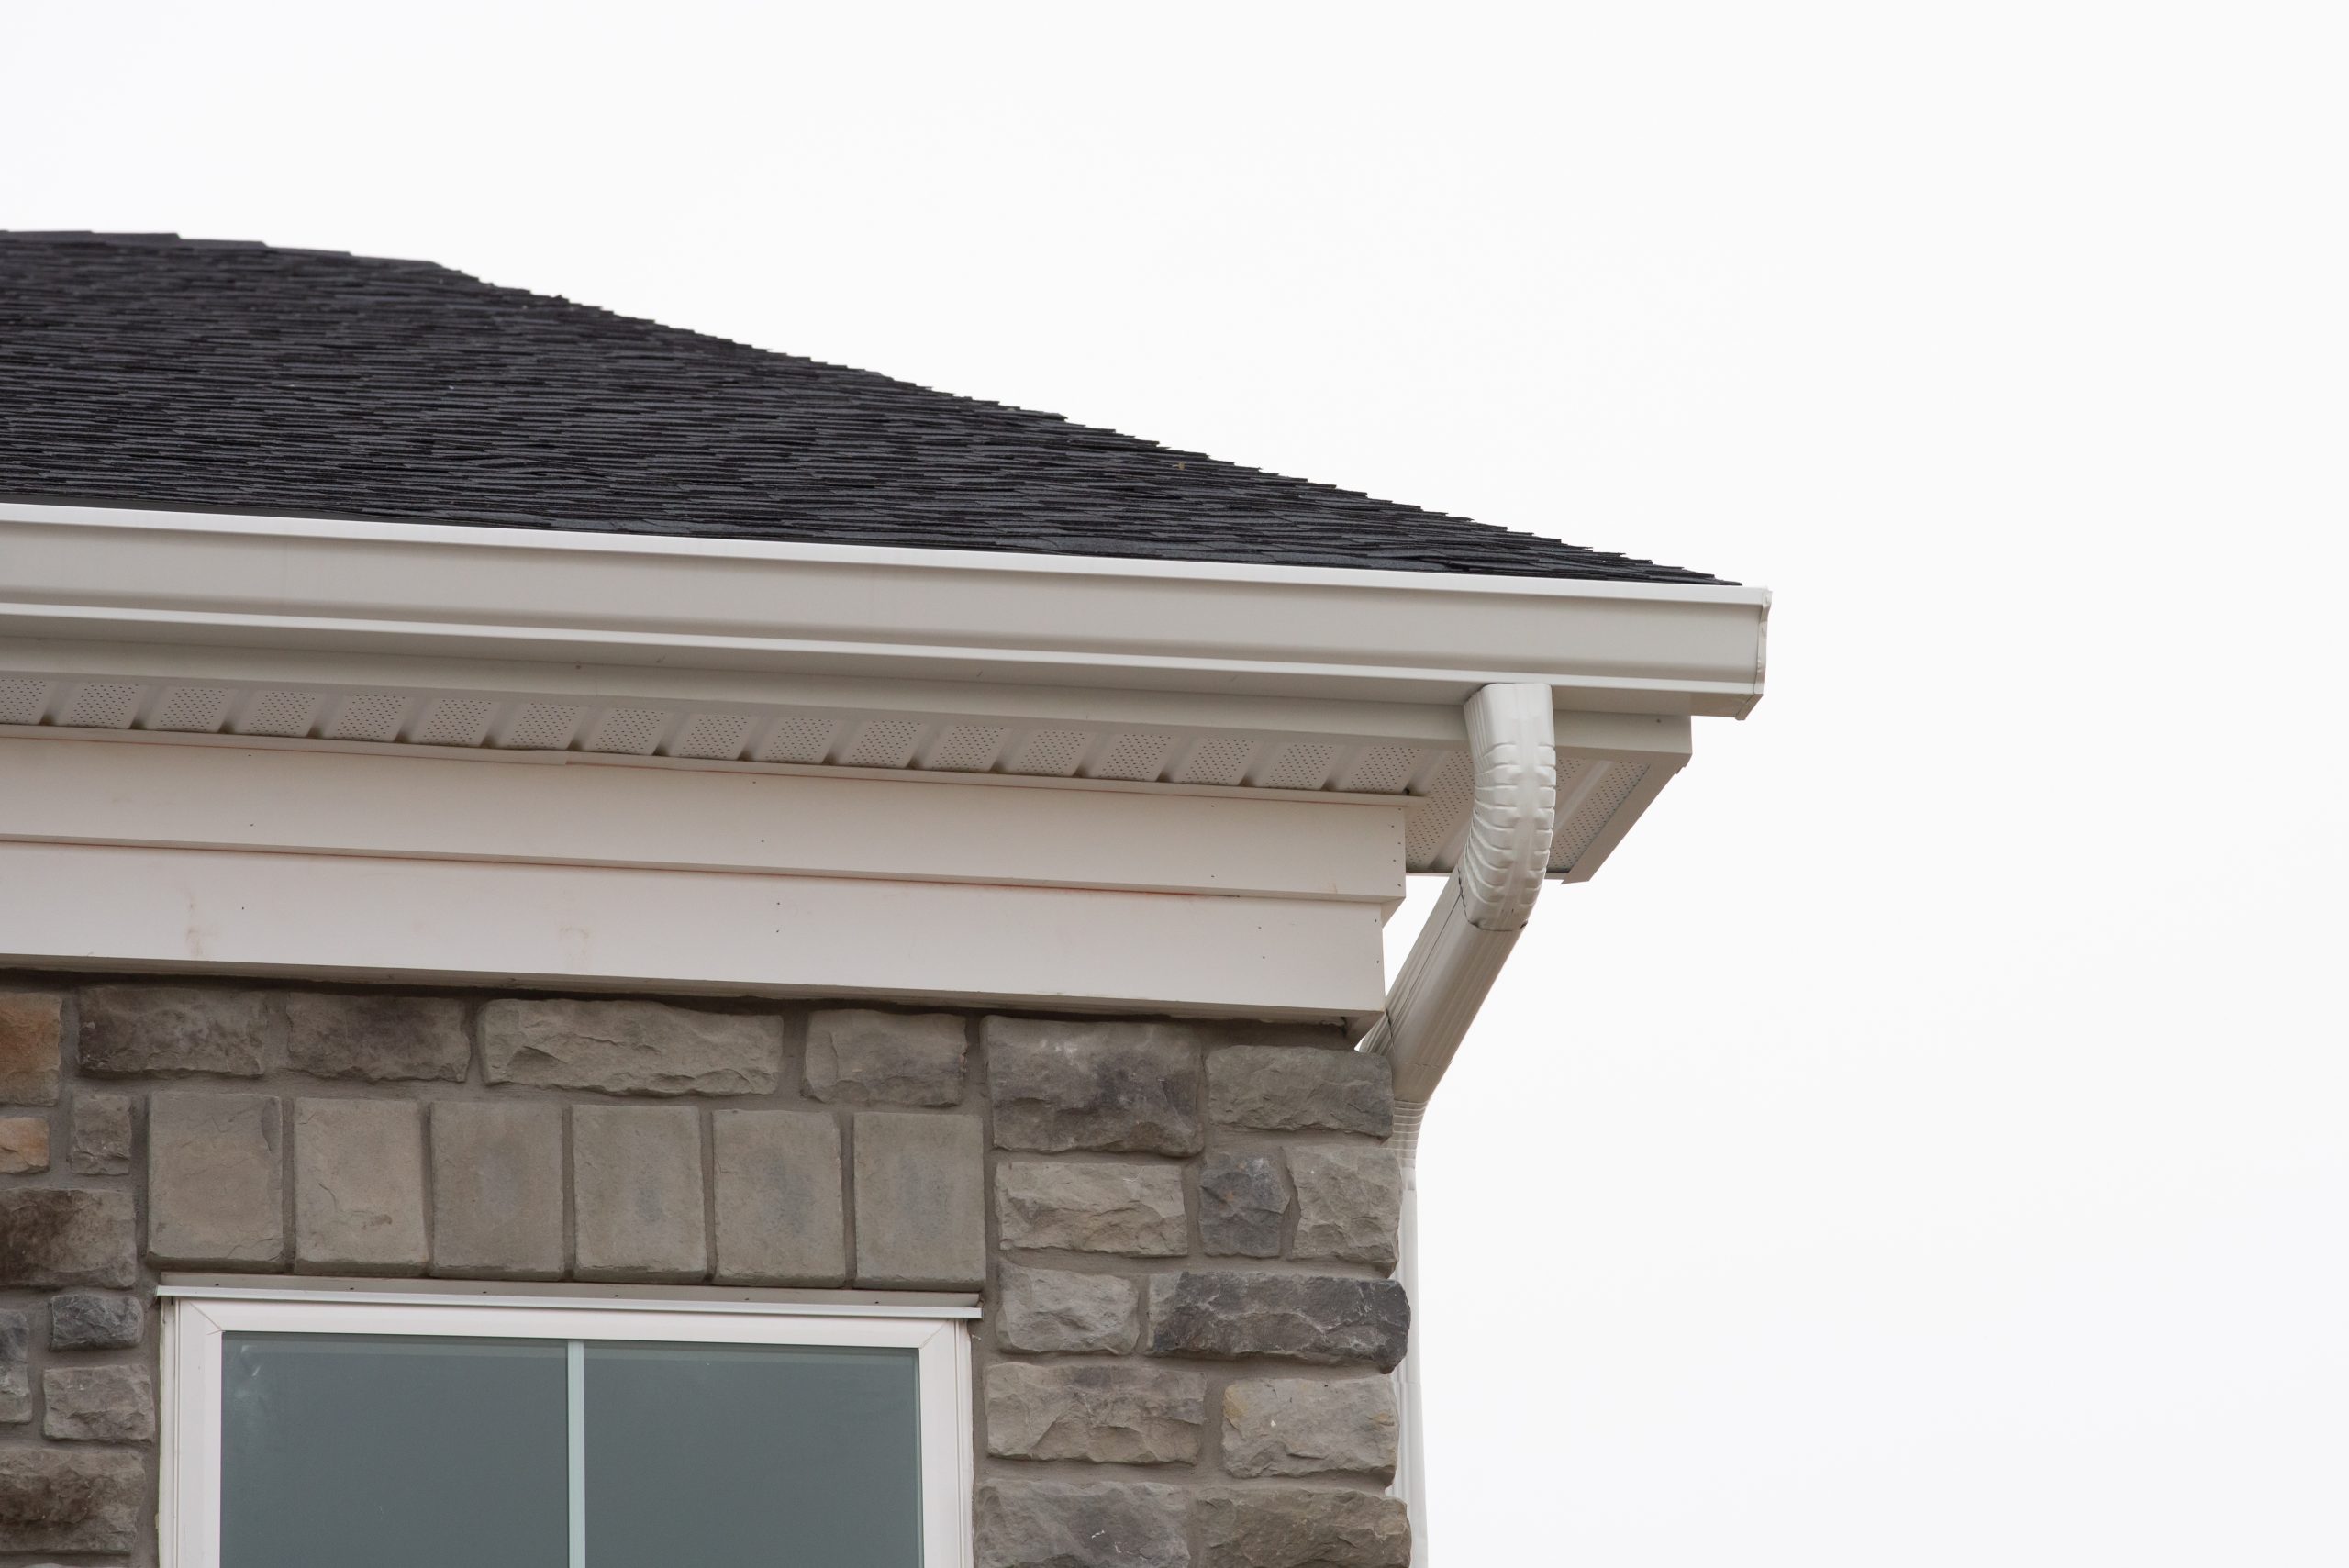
(23,701)
(1300,766)
(455,722)
(967,749)
(374,716)
(627,731)
(799,741)
(714,737)
(102,705)
(1429,825)
(1382,770)
(1051,753)
(886,743)
(1135,757)
(192,710)
(1218,759)
(541,726)
(281,713)
(1591,818)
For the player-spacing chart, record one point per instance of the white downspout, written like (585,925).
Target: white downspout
(1452,967)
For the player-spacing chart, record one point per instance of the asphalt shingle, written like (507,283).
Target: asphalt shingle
(146,369)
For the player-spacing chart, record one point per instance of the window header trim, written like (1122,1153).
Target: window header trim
(577,1297)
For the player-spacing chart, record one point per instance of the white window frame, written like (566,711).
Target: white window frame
(193,1324)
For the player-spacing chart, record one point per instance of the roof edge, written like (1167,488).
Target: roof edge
(1208,626)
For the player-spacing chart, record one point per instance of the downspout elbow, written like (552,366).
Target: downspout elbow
(1452,966)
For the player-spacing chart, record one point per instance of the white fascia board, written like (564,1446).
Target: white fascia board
(574,927)
(219,795)
(565,596)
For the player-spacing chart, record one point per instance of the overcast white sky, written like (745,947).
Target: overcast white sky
(1927,1143)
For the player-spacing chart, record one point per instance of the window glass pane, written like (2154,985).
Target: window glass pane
(752,1456)
(374,1452)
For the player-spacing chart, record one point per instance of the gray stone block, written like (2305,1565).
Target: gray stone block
(1307,1318)
(1298,1426)
(780,1199)
(24,1145)
(373,1036)
(1292,1527)
(16,1336)
(1050,1311)
(1244,1199)
(170,1031)
(15,1394)
(359,1187)
(1110,1414)
(1057,1523)
(858,1057)
(215,1186)
(496,1189)
(98,1404)
(1301,1088)
(57,1499)
(920,1200)
(631,1048)
(80,1320)
(1125,1086)
(1349,1204)
(635,1192)
(1091,1206)
(52,1237)
(100,1143)
(32,1034)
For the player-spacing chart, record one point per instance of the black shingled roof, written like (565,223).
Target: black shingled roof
(150,371)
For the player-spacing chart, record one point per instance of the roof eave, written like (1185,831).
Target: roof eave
(156,576)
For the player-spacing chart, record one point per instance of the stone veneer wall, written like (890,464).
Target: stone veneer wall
(1182,1231)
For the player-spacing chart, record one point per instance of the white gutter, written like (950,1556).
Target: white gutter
(556,596)
(1450,969)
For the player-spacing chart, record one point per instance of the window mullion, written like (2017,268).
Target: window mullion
(577,1406)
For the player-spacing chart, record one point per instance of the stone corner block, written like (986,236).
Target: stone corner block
(1092,1206)
(83,1320)
(70,1500)
(1288,1525)
(780,1199)
(1060,1524)
(1106,1413)
(32,1037)
(173,1030)
(920,1204)
(214,1181)
(1301,1089)
(635,1192)
(629,1048)
(99,1144)
(1349,1204)
(98,1404)
(373,1036)
(1322,1318)
(497,1184)
(1059,1085)
(359,1187)
(24,1145)
(1298,1426)
(1058,1311)
(57,1237)
(860,1057)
